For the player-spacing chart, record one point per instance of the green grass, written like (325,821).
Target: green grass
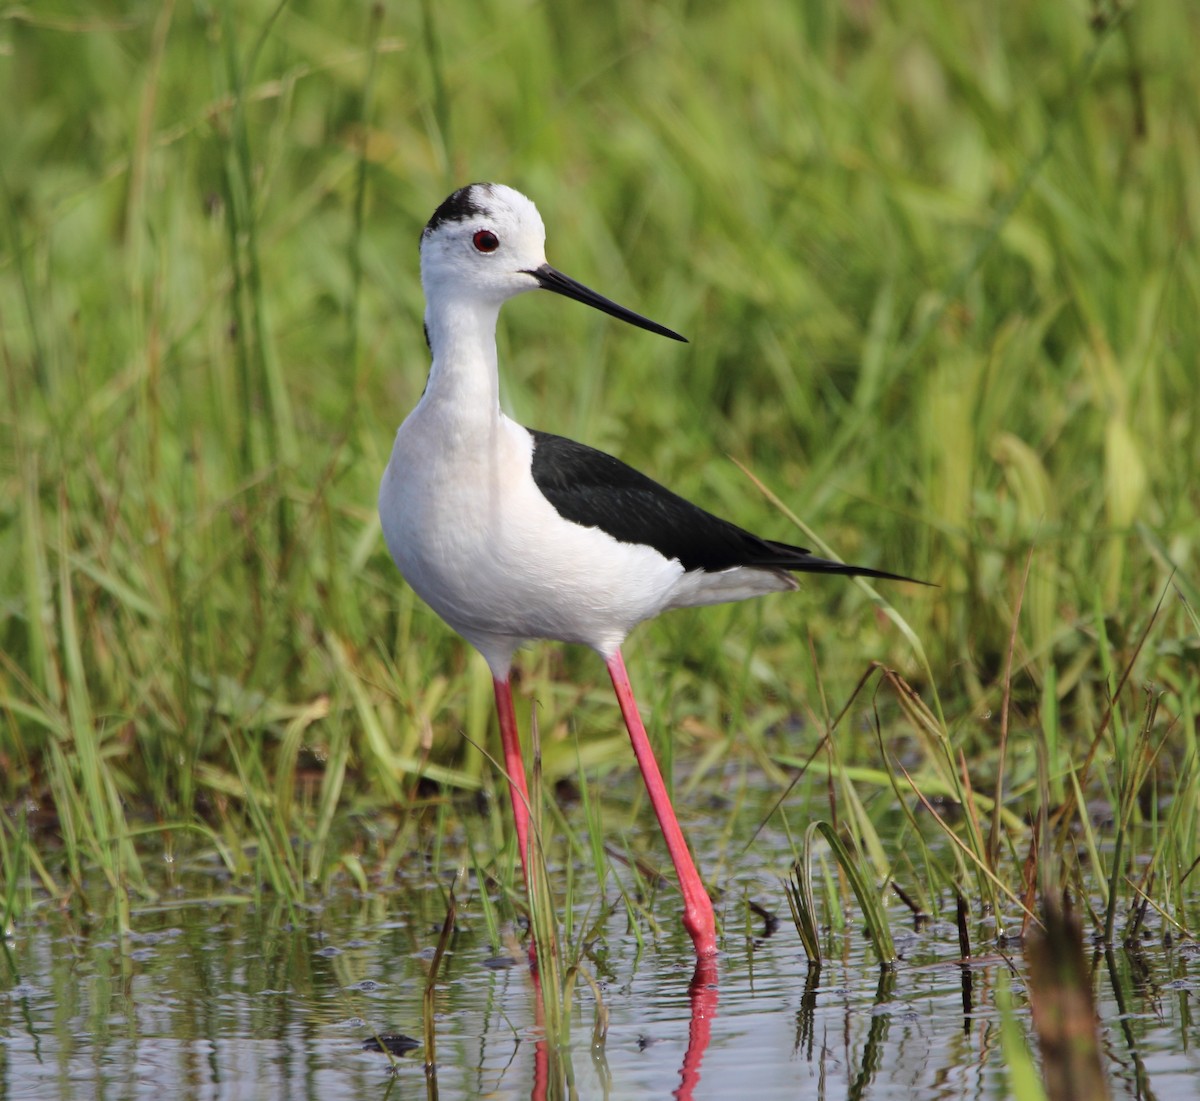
(938,266)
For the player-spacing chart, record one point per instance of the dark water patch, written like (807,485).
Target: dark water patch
(394,1042)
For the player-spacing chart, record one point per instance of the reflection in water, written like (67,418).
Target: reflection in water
(968,995)
(1124,983)
(553,1075)
(541,1049)
(805,1018)
(702,994)
(873,1048)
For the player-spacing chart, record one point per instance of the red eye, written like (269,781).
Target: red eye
(486,241)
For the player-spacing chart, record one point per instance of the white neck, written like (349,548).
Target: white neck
(462,335)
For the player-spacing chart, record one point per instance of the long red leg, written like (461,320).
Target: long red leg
(514,765)
(697,906)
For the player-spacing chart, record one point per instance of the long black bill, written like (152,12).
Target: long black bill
(551,279)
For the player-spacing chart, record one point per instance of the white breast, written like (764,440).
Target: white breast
(475,538)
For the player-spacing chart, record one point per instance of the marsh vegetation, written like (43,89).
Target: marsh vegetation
(938,267)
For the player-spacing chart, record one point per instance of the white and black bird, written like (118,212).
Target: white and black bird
(511,534)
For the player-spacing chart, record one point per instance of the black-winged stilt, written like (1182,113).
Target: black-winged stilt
(511,534)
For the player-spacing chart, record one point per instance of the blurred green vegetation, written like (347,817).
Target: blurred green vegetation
(938,266)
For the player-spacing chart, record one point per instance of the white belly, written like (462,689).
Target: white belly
(475,538)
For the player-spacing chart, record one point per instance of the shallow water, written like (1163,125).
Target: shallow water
(218,995)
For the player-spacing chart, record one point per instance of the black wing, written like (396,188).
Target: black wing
(592,488)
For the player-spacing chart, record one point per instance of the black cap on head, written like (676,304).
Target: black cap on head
(457,207)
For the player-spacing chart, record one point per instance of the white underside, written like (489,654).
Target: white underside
(475,538)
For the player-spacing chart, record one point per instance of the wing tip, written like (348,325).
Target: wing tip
(813,564)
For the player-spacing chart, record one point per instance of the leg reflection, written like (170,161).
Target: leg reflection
(702,993)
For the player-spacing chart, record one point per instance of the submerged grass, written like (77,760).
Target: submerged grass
(428,1015)
(938,267)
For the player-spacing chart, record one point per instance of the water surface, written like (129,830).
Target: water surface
(217,993)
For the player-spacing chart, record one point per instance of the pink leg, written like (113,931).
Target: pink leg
(697,906)
(514,765)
